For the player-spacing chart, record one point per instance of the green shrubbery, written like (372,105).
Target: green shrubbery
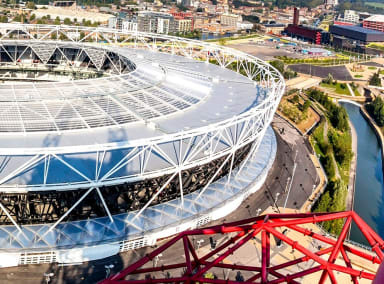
(376,110)
(337,115)
(333,200)
(286,72)
(335,150)
(375,80)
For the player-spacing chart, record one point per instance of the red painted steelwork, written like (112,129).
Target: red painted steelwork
(195,267)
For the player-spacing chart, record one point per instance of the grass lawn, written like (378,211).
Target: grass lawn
(372,68)
(357,93)
(358,76)
(337,88)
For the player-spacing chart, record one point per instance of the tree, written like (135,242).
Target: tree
(376,109)
(339,118)
(3,19)
(375,80)
(31,5)
(278,64)
(62,37)
(33,17)
(324,203)
(306,106)
(67,21)
(57,21)
(295,99)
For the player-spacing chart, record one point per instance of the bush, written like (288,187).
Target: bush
(341,146)
(337,115)
(306,106)
(279,65)
(295,99)
(329,165)
(375,80)
(332,200)
(376,110)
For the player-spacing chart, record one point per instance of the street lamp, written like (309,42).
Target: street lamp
(48,277)
(199,243)
(276,197)
(157,257)
(108,269)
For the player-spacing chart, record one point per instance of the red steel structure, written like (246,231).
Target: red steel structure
(195,267)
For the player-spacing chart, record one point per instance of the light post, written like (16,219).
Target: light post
(291,180)
(157,257)
(199,242)
(48,277)
(276,197)
(108,270)
(286,186)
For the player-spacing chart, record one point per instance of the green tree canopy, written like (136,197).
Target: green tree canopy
(278,64)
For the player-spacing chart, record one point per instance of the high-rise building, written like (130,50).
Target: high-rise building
(155,22)
(183,25)
(230,20)
(129,26)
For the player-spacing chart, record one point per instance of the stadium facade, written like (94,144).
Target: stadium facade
(109,147)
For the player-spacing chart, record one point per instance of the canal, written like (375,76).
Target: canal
(369,198)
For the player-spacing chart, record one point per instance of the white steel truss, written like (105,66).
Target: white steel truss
(190,148)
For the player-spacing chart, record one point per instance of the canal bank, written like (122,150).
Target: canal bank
(368,197)
(375,127)
(352,168)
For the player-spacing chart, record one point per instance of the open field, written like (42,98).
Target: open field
(339,88)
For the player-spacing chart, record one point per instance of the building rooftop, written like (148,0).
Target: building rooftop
(359,29)
(375,18)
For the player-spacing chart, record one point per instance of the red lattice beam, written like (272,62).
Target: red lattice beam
(195,267)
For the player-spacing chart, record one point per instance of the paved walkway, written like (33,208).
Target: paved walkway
(350,90)
(352,170)
(302,81)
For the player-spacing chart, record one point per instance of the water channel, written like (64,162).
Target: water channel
(369,197)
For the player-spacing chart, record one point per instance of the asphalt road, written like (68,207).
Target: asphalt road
(291,151)
(338,72)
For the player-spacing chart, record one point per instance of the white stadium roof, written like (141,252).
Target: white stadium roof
(164,94)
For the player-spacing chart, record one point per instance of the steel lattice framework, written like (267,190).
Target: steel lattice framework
(195,266)
(166,113)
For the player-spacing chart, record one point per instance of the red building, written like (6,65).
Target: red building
(307,33)
(375,22)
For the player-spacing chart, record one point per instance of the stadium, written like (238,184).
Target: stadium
(112,140)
